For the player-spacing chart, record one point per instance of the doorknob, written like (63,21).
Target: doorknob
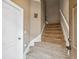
(19,38)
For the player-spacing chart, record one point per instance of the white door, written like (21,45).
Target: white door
(12,32)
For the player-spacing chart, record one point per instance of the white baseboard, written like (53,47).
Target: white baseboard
(43,28)
(64,27)
(37,39)
(32,42)
(47,22)
(65,36)
(64,19)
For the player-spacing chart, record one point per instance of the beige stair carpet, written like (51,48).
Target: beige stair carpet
(52,45)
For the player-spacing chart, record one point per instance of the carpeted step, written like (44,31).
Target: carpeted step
(53,32)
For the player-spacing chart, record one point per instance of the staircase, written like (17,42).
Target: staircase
(53,34)
(52,45)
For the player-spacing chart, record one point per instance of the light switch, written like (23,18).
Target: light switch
(35,15)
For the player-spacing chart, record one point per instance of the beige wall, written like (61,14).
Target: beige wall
(35,23)
(64,6)
(52,11)
(25,4)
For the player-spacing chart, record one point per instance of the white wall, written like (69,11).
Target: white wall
(64,19)
(35,23)
(64,5)
(52,11)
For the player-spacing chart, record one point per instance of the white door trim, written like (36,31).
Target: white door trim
(13,4)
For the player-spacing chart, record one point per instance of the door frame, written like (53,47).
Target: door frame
(72,3)
(22,18)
